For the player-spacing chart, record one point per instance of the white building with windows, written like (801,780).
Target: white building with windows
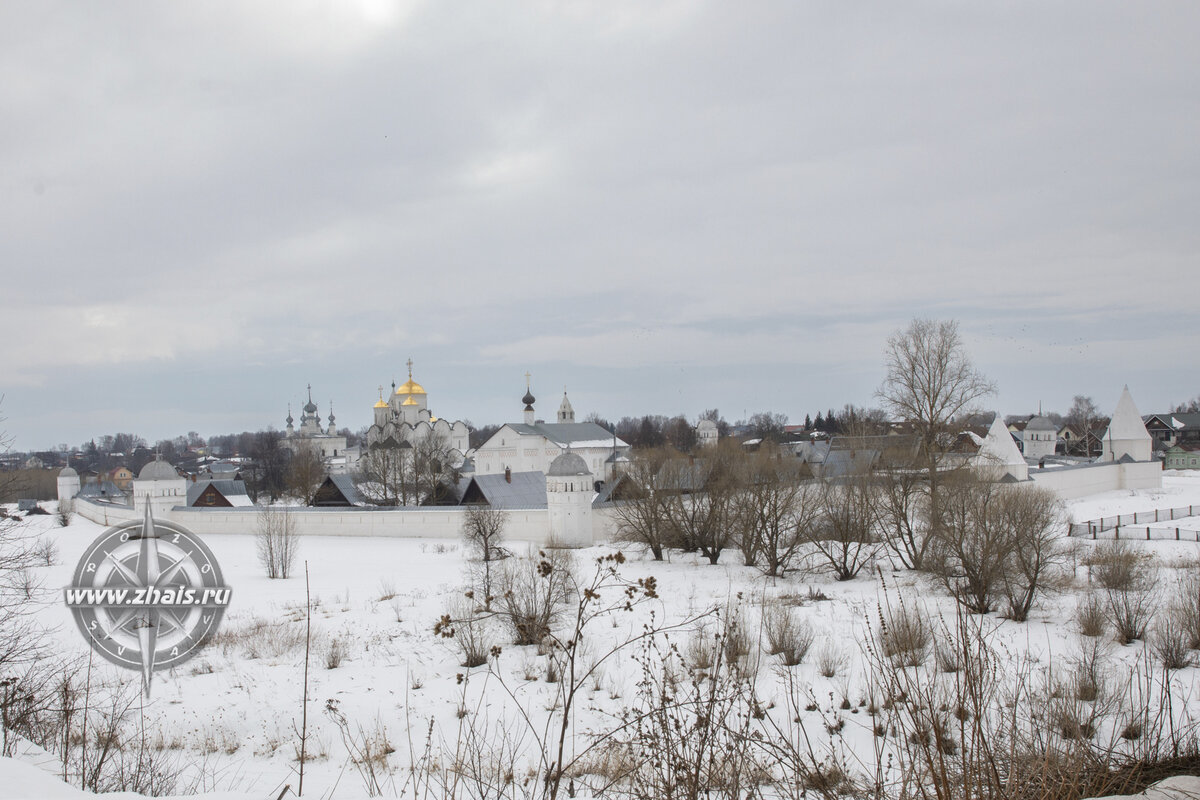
(531,446)
(1039,438)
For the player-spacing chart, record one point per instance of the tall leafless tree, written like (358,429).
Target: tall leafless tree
(305,473)
(774,507)
(277,541)
(847,535)
(643,514)
(931,385)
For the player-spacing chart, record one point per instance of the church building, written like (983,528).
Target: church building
(404,419)
(531,445)
(326,442)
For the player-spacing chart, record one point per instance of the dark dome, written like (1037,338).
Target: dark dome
(528,398)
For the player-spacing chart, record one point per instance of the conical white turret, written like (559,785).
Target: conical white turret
(998,454)
(1126,434)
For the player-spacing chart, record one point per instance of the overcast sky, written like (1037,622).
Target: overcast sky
(664,207)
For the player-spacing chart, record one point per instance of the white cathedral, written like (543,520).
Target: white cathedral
(405,419)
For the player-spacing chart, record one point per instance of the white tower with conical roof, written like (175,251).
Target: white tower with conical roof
(1126,434)
(998,455)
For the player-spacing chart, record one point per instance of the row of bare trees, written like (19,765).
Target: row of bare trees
(920,505)
(767,506)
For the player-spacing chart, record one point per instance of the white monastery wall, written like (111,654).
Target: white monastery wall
(424,523)
(1073,482)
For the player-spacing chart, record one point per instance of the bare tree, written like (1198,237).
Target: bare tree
(305,473)
(904,511)
(774,509)
(931,384)
(385,475)
(434,469)
(847,536)
(1031,518)
(643,515)
(970,550)
(483,529)
(1082,416)
(418,472)
(277,541)
(703,517)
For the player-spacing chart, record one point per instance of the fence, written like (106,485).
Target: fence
(1094,526)
(1146,533)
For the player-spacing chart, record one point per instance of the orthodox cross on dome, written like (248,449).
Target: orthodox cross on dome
(310,393)
(409,363)
(381,391)
(527,377)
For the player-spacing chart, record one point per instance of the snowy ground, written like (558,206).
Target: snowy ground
(234,705)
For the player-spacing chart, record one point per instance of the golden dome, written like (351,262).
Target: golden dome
(411,387)
(409,401)
(380,403)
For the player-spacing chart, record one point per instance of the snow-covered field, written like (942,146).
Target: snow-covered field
(235,706)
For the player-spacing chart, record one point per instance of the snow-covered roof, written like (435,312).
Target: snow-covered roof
(521,490)
(576,434)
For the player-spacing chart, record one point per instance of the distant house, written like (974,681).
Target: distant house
(1173,428)
(33,462)
(122,477)
(1185,455)
(1071,438)
(337,491)
(218,494)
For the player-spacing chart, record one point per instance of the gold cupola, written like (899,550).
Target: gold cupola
(410,387)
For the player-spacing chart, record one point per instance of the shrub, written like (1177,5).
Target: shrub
(533,591)
(831,660)
(1170,641)
(1187,606)
(334,653)
(1088,675)
(66,510)
(469,631)
(1117,566)
(701,652)
(1090,615)
(1129,613)
(737,646)
(904,635)
(787,637)
(46,551)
